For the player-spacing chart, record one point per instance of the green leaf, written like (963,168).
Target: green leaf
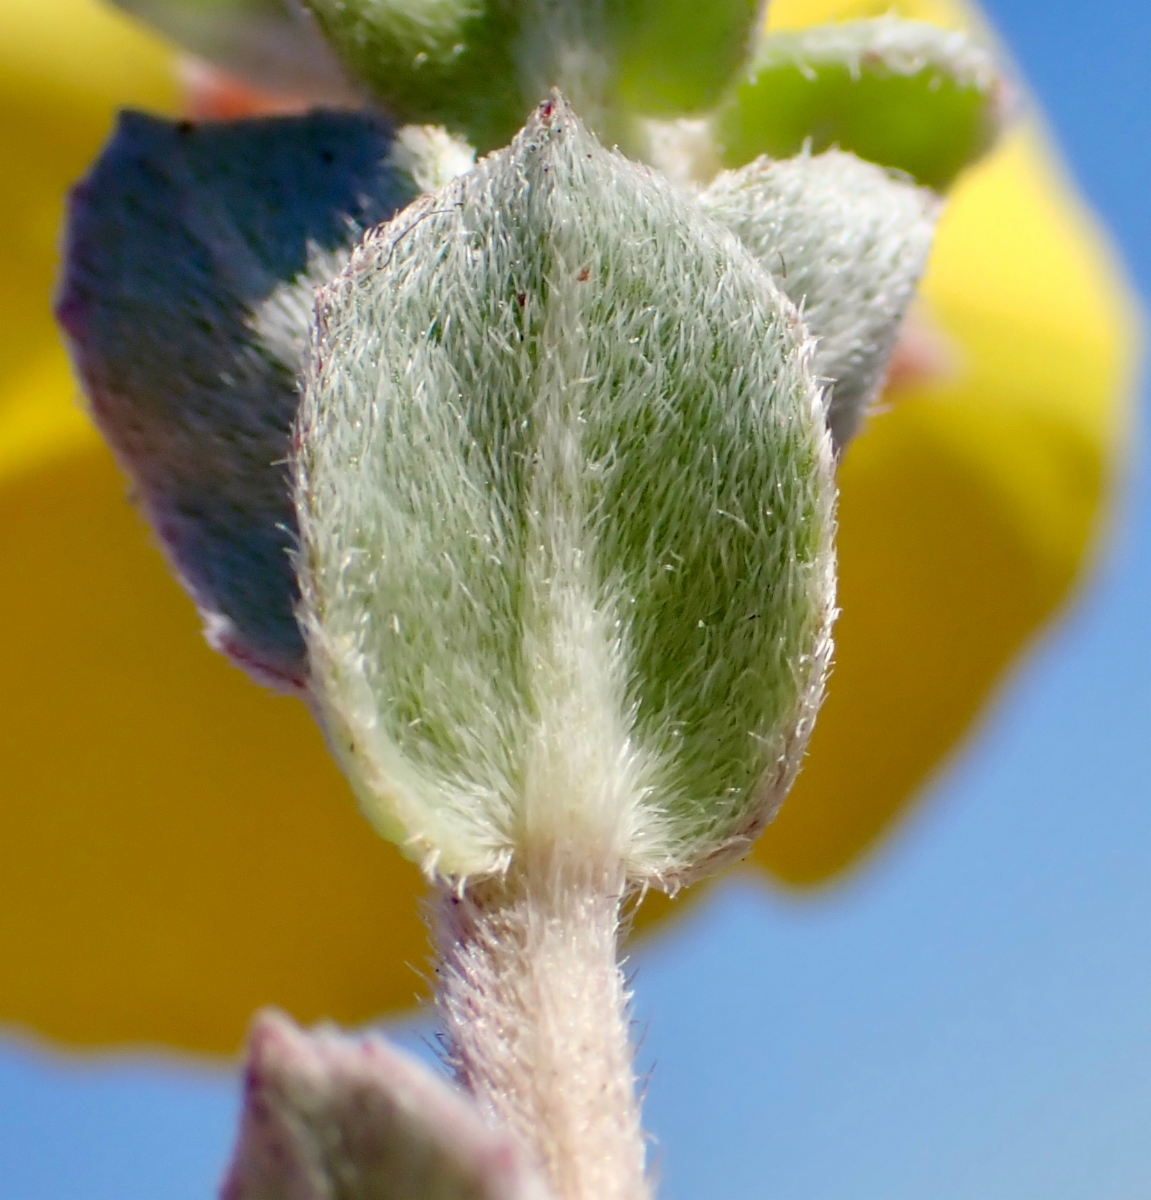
(900,93)
(267,42)
(566,497)
(847,242)
(442,62)
(676,56)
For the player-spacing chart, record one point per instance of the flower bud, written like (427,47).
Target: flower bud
(330,1115)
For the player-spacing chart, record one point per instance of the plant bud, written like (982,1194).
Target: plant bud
(329,1115)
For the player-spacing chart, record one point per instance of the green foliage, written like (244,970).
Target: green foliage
(565,493)
(678,56)
(478,66)
(564,467)
(444,62)
(899,93)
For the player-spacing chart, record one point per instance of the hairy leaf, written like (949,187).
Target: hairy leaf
(565,496)
(848,242)
(331,1116)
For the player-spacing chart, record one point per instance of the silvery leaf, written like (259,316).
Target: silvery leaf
(566,508)
(904,94)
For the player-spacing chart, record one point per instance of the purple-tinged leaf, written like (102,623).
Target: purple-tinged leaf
(192,253)
(328,1116)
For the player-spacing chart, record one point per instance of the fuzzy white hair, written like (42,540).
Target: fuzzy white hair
(848,242)
(566,501)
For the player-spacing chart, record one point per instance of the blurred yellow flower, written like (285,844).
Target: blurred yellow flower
(175,846)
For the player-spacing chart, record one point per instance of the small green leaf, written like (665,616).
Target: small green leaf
(848,243)
(440,62)
(676,56)
(566,499)
(900,93)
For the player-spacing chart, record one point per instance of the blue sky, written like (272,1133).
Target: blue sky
(969,1018)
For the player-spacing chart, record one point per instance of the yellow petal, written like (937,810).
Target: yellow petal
(176,847)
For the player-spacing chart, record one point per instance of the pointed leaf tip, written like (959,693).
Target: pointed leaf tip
(192,251)
(327,1115)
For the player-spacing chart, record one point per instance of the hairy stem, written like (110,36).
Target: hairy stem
(535,1005)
